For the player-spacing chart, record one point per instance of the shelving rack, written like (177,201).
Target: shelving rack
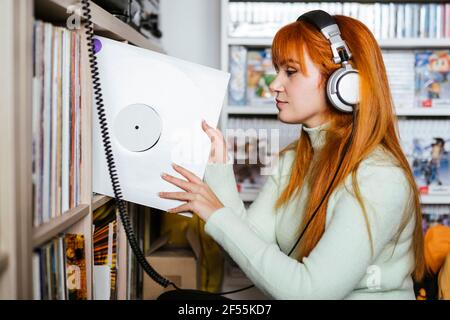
(18,237)
(265,111)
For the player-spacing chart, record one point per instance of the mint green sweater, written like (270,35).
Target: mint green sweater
(341,266)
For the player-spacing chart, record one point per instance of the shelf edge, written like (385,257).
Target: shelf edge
(100,200)
(57,225)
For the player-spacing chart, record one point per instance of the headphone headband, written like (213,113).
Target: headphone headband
(327,25)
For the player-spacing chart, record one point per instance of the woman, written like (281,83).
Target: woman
(365,241)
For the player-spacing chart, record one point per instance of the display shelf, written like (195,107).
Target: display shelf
(57,225)
(252,110)
(428,199)
(405,112)
(424,199)
(105,23)
(248,196)
(99,200)
(424,112)
(412,43)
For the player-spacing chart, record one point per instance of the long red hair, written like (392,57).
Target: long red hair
(376,126)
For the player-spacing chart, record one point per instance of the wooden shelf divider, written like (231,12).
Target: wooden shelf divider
(99,200)
(104,22)
(57,225)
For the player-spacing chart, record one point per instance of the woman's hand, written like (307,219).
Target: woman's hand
(218,152)
(199,197)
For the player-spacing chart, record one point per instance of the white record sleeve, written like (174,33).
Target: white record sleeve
(154,106)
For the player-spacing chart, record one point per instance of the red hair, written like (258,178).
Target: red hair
(376,123)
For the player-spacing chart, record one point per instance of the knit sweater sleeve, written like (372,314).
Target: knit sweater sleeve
(260,217)
(343,254)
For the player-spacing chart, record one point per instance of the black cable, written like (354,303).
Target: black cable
(347,145)
(109,154)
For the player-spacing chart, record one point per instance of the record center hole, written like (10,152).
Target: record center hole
(136,127)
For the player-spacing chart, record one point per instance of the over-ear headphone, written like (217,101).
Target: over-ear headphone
(343,85)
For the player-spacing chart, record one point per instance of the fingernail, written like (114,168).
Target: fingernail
(174,165)
(163,175)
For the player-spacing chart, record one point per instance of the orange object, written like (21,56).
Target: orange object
(444,280)
(437,247)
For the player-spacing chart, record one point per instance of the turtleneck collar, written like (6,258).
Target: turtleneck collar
(317,135)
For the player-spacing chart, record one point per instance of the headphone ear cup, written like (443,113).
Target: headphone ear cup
(343,89)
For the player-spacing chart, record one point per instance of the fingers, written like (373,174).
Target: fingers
(185,185)
(211,132)
(183,208)
(183,196)
(187,174)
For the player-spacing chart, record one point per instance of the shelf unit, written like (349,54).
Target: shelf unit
(406,112)
(425,199)
(18,237)
(383,43)
(271,110)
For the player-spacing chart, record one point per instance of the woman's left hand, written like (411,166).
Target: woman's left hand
(200,199)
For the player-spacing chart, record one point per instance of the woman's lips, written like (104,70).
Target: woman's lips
(280,103)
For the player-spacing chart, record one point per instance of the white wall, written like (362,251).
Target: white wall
(191,30)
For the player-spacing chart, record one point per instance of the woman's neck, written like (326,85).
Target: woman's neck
(317,135)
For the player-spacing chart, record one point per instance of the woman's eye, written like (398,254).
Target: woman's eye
(290,72)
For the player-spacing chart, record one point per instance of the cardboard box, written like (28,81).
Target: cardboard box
(179,265)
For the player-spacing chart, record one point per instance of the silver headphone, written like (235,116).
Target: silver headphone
(343,85)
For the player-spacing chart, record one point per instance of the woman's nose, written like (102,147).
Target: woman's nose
(276,86)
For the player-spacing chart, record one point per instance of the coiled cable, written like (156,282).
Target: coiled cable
(124,217)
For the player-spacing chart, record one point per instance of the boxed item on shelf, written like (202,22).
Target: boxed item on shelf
(238,65)
(180,265)
(425,143)
(433,78)
(260,74)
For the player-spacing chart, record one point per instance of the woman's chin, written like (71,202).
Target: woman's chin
(283,117)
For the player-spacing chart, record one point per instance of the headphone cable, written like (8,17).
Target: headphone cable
(344,151)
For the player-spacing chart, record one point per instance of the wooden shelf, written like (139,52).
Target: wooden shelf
(3,262)
(57,225)
(413,43)
(99,200)
(105,24)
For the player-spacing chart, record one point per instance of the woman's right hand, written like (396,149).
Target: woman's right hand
(218,152)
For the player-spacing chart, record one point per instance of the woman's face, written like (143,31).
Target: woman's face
(299,97)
